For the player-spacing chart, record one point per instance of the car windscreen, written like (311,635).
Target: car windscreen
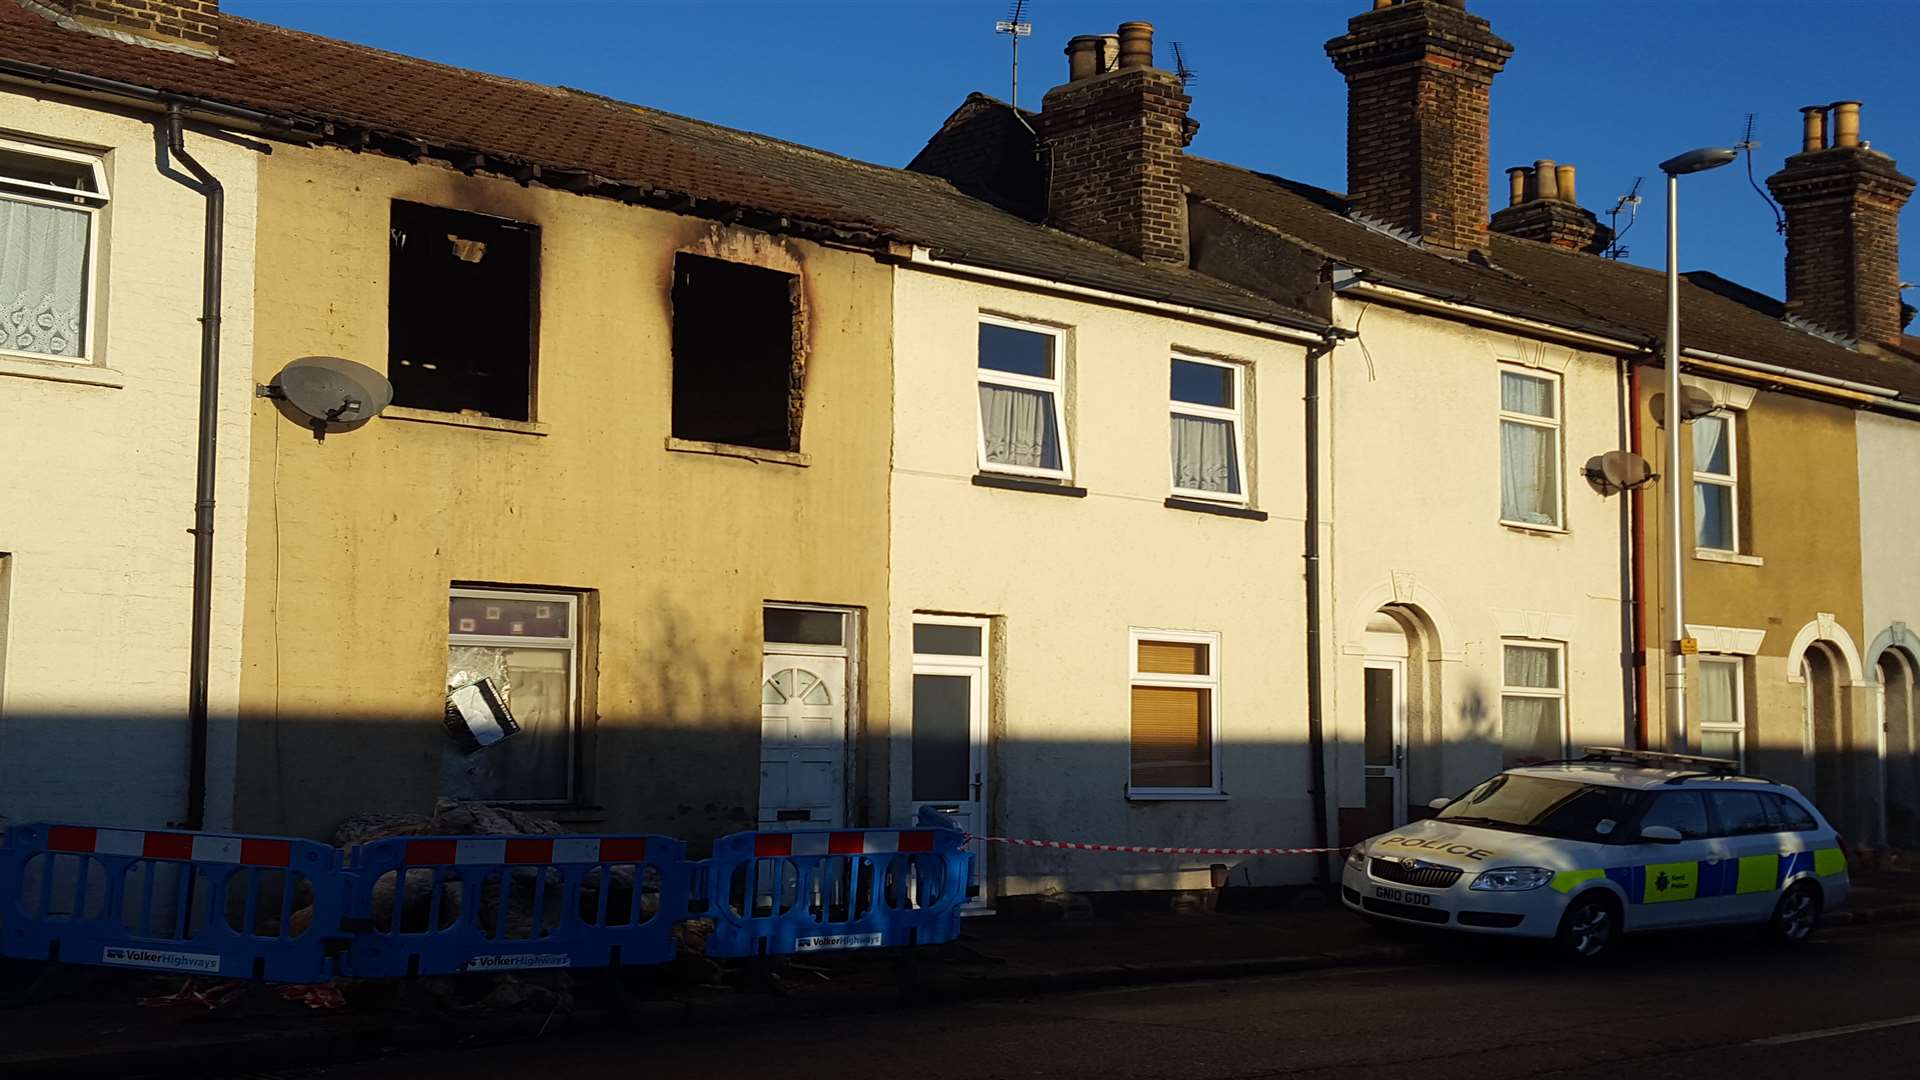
(1561,808)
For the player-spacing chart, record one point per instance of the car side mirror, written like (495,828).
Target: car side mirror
(1439,804)
(1660,834)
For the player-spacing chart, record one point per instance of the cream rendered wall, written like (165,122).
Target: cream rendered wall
(1889,450)
(1065,578)
(1414,507)
(98,497)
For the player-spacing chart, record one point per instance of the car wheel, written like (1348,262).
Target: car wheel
(1589,929)
(1795,915)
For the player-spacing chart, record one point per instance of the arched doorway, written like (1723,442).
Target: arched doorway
(1400,696)
(1823,736)
(1897,673)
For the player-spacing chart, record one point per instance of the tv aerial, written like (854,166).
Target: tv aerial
(1181,71)
(1015,26)
(1747,146)
(1630,205)
(327,394)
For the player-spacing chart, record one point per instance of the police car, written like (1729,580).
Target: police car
(1581,852)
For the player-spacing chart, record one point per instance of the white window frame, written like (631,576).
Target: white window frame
(1729,480)
(1555,424)
(1559,693)
(1056,387)
(92,203)
(1210,681)
(570,645)
(1739,727)
(1235,416)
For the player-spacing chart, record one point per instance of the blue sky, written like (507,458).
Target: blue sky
(1611,86)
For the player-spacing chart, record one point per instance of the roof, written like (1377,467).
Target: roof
(344,92)
(1517,277)
(1547,283)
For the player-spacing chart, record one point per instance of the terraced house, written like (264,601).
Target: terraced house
(1066,484)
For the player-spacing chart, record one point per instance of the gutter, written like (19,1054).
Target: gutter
(1373,288)
(205,467)
(145,95)
(1299,331)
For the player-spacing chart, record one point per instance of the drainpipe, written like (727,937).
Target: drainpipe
(1316,739)
(210,271)
(1637,570)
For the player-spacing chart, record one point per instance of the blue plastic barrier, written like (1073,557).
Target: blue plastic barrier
(232,906)
(443,905)
(782,893)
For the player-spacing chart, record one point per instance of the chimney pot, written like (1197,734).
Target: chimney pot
(1564,175)
(1083,57)
(1846,124)
(1545,181)
(1517,185)
(1813,130)
(1136,44)
(1379,5)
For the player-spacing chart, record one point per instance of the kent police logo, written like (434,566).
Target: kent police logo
(1662,881)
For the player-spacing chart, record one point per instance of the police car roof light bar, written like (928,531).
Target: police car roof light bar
(1709,765)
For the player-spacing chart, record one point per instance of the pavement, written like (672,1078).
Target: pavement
(81,1021)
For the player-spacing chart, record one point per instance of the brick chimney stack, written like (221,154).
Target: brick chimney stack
(182,25)
(1544,207)
(1418,74)
(1842,200)
(1115,131)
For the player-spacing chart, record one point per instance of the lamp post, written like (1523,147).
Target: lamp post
(1675,668)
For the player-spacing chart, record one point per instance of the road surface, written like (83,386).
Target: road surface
(1846,1005)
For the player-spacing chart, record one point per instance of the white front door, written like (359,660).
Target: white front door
(1385,696)
(949,727)
(803,741)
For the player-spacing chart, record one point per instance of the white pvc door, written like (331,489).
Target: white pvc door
(949,728)
(803,741)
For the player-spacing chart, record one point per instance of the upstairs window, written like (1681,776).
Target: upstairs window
(1022,411)
(460,312)
(737,375)
(1529,449)
(1716,482)
(50,202)
(1207,430)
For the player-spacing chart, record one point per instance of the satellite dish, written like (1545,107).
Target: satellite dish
(329,394)
(1618,470)
(1694,404)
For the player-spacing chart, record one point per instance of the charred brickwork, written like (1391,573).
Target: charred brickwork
(191,22)
(1842,200)
(1544,208)
(1114,140)
(1418,75)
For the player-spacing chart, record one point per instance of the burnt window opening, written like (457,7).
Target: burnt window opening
(460,312)
(736,372)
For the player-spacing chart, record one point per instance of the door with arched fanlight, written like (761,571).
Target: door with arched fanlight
(1384,700)
(1902,761)
(803,718)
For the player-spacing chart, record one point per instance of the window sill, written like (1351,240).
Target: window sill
(1016,483)
(1199,506)
(1535,530)
(1710,555)
(483,423)
(1151,795)
(744,453)
(67,371)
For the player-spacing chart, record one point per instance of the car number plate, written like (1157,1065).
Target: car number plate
(1402,896)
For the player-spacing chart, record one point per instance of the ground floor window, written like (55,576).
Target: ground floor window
(1533,702)
(524,646)
(1175,712)
(1722,710)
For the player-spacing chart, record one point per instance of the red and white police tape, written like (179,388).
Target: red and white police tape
(1143,849)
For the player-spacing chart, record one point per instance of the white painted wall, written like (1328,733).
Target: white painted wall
(1414,507)
(98,497)
(1065,578)
(1889,450)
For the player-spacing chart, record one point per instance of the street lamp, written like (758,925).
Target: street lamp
(1692,161)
